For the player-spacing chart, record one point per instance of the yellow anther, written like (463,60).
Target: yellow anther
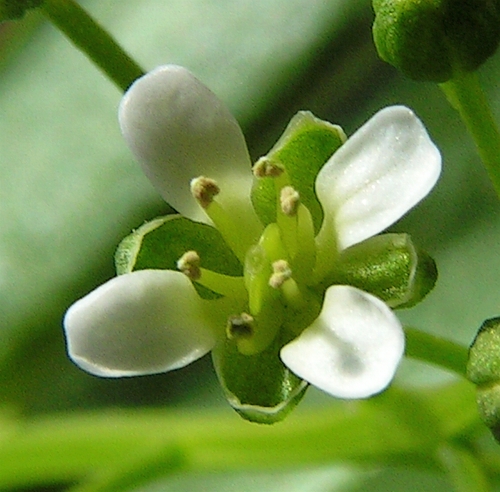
(189,265)
(289,201)
(204,190)
(281,273)
(265,168)
(240,326)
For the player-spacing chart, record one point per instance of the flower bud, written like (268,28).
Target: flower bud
(15,9)
(483,369)
(435,40)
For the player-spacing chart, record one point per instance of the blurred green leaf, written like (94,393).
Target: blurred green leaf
(465,471)
(399,426)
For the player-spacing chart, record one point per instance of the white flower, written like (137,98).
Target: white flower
(152,321)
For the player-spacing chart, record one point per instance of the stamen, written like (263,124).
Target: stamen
(189,265)
(224,285)
(281,273)
(289,201)
(265,168)
(204,190)
(240,326)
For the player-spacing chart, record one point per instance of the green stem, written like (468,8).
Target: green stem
(93,40)
(465,94)
(437,351)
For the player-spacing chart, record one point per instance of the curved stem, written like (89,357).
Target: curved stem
(437,351)
(93,40)
(465,94)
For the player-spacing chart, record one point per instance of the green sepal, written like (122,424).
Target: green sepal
(483,369)
(259,387)
(158,244)
(436,39)
(303,149)
(15,9)
(388,266)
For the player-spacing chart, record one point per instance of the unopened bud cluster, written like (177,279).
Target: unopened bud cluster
(483,370)
(436,40)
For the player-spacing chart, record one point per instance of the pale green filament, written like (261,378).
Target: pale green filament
(286,222)
(224,285)
(297,229)
(257,272)
(204,191)
(228,286)
(326,251)
(272,242)
(228,228)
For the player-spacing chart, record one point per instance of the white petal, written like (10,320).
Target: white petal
(179,130)
(352,349)
(144,322)
(379,174)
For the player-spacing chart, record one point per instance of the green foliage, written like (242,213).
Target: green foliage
(401,426)
(437,39)
(15,9)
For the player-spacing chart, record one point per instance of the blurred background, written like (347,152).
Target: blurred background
(70,190)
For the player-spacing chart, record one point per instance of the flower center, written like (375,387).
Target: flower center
(277,270)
